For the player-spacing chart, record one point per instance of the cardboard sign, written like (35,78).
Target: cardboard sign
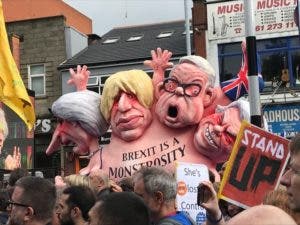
(188,177)
(256,163)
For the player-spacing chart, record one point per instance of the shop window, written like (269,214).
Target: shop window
(273,65)
(278,59)
(296,68)
(229,67)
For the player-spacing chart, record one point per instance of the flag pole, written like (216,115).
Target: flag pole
(187,28)
(254,98)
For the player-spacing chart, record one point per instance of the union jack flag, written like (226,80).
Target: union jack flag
(238,86)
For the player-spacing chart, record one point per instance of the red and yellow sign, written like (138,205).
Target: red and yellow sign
(256,163)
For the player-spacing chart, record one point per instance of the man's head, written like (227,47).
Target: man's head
(126,102)
(74,205)
(157,187)
(216,133)
(291,178)
(262,215)
(32,201)
(98,179)
(183,96)
(15,175)
(80,120)
(3,129)
(123,208)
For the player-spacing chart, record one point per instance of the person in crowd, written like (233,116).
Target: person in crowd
(110,188)
(77,180)
(80,121)
(126,184)
(98,179)
(15,175)
(280,199)
(32,202)
(123,208)
(72,180)
(291,178)
(59,191)
(4,197)
(74,205)
(127,99)
(262,215)
(158,188)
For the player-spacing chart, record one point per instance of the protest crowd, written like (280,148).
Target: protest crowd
(146,198)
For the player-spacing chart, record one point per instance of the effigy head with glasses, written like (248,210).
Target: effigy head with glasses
(183,96)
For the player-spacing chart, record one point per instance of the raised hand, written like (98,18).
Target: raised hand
(79,78)
(114,187)
(160,60)
(159,63)
(13,161)
(208,200)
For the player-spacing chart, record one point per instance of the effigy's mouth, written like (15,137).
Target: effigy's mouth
(172,111)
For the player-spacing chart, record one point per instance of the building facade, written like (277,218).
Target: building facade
(278,53)
(42,35)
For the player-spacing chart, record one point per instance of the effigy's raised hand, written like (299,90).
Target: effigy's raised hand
(79,78)
(159,63)
(160,60)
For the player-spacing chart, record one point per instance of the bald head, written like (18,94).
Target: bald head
(262,215)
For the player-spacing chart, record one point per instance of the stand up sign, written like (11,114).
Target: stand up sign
(255,165)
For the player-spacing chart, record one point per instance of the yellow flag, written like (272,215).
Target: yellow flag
(12,90)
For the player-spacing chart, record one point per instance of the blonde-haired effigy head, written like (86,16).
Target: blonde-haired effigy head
(3,124)
(136,82)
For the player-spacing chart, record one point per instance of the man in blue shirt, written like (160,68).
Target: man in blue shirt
(158,188)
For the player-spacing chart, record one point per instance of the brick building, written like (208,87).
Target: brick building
(42,35)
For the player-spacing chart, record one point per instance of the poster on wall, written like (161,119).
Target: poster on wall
(18,148)
(226,19)
(188,176)
(255,165)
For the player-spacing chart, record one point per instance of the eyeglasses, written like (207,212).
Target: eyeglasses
(10,203)
(190,90)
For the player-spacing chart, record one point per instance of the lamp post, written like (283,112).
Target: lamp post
(253,83)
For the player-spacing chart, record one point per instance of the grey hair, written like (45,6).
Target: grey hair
(294,145)
(84,108)
(3,124)
(244,108)
(158,179)
(202,64)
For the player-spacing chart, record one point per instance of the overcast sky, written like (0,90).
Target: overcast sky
(107,14)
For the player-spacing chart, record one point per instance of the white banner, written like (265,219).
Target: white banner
(226,20)
(188,177)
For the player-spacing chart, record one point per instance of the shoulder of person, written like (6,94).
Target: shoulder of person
(168,221)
